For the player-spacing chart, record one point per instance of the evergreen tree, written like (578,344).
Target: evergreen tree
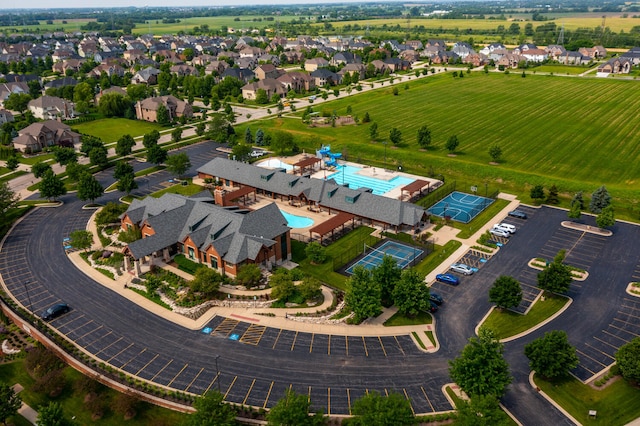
(424,136)
(552,196)
(599,200)
(259,137)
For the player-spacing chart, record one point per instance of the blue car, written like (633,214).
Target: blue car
(448,279)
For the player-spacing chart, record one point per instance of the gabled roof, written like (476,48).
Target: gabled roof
(236,235)
(325,192)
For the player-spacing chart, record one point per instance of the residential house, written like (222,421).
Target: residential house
(342,58)
(267,71)
(242,74)
(113,89)
(298,81)
(555,51)
(269,59)
(67,64)
(573,58)
(359,69)
(109,69)
(462,49)
(615,66)
(184,70)
(409,55)
(315,63)
(324,77)
(534,55)
(487,50)
(51,107)
(220,238)
(632,55)
(414,44)
(147,76)
(510,60)
(595,52)
(269,85)
(251,52)
(250,63)
(7,89)
(60,82)
(37,136)
(5,116)
(147,109)
(216,67)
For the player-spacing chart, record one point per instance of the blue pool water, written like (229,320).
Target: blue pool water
(297,221)
(348,174)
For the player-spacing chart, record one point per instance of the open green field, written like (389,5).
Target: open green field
(571,22)
(558,69)
(111,129)
(575,133)
(616,404)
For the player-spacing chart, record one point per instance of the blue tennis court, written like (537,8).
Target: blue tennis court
(460,207)
(403,255)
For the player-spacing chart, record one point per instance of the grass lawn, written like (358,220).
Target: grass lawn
(439,255)
(31,160)
(508,323)
(616,404)
(324,272)
(111,129)
(559,69)
(186,190)
(73,403)
(398,319)
(524,118)
(468,229)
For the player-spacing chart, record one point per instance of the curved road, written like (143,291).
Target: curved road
(333,370)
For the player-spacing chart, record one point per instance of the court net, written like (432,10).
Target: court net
(379,254)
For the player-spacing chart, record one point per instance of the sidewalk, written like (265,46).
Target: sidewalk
(25,411)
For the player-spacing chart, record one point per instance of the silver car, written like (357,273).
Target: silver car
(505,227)
(461,268)
(498,232)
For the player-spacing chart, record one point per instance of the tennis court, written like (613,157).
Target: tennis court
(403,254)
(460,207)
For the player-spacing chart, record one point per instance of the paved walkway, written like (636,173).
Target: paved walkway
(286,318)
(25,411)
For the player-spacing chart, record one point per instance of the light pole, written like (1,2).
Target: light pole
(218,373)
(26,288)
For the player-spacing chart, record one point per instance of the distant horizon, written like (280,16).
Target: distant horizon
(27,5)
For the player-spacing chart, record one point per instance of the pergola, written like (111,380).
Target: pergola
(302,165)
(415,186)
(241,192)
(331,224)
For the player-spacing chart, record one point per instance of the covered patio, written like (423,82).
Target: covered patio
(330,225)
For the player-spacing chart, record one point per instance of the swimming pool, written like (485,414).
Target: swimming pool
(297,221)
(275,163)
(349,174)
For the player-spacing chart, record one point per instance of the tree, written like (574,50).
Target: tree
(374,409)
(599,200)
(162,115)
(556,277)
(481,369)
(124,145)
(211,411)
(178,164)
(218,125)
(366,117)
(310,288)
(551,355)
(200,128)
(241,151)
(261,97)
(206,281)
(8,200)
(64,156)
(40,168)
(89,142)
(17,102)
(315,252)
(452,143)
(10,402)
(424,136)
(537,193)
(395,136)
(282,142)
(12,163)
(363,294)
(411,295)
(495,152)
(387,274)
(150,139)
(51,186)
(574,211)
(127,183)
(282,287)
(81,240)
(606,218)
(293,410)
(156,154)
(176,134)
(373,130)
(480,411)
(259,137)
(578,199)
(552,196)
(98,156)
(249,275)
(89,188)
(506,292)
(122,168)
(83,92)
(113,104)
(628,360)
(75,170)
(248,136)
(52,415)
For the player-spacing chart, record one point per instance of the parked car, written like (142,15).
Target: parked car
(448,279)
(256,154)
(55,311)
(518,213)
(506,227)
(461,268)
(499,232)
(436,298)
(433,307)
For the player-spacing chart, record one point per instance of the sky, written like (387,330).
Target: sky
(57,4)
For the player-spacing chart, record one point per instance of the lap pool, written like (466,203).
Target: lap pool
(294,221)
(350,175)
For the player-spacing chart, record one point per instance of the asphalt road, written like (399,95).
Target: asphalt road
(257,364)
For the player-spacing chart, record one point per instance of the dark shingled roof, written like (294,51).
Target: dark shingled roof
(236,235)
(324,192)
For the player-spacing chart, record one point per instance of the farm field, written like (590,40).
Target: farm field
(570,21)
(111,129)
(575,133)
(157,27)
